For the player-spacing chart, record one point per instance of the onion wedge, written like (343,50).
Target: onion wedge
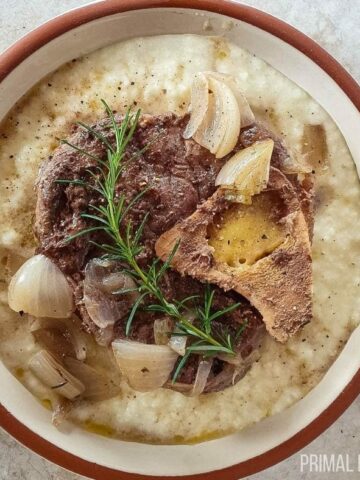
(178,342)
(247,172)
(162,330)
(55,376)
(220,128)
(202,375)
(98,386)
(218,111)
(199,104)
(40,288)
(145,366)
(246,114)
(60,337)
(199,385)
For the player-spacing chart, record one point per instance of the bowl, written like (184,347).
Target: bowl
(81,31)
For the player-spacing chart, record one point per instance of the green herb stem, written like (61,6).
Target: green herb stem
(125,247)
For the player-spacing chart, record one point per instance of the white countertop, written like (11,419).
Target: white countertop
(335,25)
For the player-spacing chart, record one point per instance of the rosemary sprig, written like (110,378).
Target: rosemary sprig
(208,343)
(124,244)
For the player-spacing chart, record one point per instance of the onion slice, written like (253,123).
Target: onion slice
(61,412)
(40,289)
(247,172)
(218,111)
(220,128)
(103,299)
(98,385)
(230,114)
(199,104)
(178,342)
(162,330)
(202,375)
(197,388)
(246,114)
(60,337)
(55,376)
(145,366)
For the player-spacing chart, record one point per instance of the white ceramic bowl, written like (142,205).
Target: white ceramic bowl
(82,31)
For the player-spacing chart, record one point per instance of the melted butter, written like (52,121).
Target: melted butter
(139,437)
(45,402)
(99,429)
(245,233)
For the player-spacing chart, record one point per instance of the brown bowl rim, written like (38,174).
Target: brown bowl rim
(31,42)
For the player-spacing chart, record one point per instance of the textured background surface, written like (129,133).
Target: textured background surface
(335,25)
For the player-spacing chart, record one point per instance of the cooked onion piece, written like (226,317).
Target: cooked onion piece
(103,298)
(178,342)
(145,366)
(247,172)
(40,289)
(220,128)
(55,376)
(218,111)
(77,338)
(60,337)
(98,385)
(197,388)
(104,336)
(230,114)
(61,411)
(202,375)
(162,330)
(246,114)
(199,104)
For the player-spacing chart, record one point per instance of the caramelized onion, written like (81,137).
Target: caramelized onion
(104,336)
(146,367)
(40,289)
(178,343)
(103,298)
(291,166)
(55,376)
(247,172)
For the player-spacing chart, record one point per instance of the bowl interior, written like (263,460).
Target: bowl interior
(267,434)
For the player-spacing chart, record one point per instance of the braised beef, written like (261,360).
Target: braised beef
(177,175)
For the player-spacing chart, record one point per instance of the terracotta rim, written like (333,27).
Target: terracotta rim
(13,56)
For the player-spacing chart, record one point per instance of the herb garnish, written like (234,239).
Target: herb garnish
(125,245)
